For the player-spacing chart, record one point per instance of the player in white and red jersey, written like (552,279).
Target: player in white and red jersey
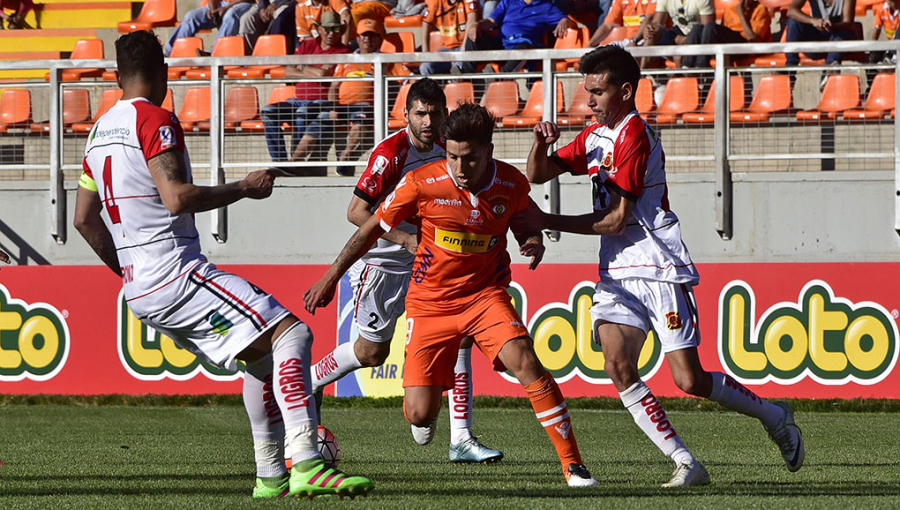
(646,272)
(136,168)
(381,277)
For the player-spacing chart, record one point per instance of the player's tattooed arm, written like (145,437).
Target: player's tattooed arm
(180,196)
(359,211)
(90,225)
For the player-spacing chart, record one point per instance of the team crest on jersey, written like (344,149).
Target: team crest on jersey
(607,162)
(673,321)
(166,137)
(499,209)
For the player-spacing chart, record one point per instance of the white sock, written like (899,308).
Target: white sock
(460,398)
(335,365)
(650,417)
(733,395)
(266,422)
(290,355)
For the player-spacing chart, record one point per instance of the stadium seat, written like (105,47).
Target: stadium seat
(533,111)
(397,120)
(435,41)
(578,111)
(184,47)
(15,109)
(681,96)
(399,42)
(108,98)
(841,93)
(272,45)
(459,93)
(403,22)
(865,5)
(772,96)
(880,100)
(644,97)
(277,95)
(84,49)
(169,101)
(228,46)
(707,114)
(241,105)
(154,13)
(195,109)
(76,108)
(501,98)
(616,34)
(574,38)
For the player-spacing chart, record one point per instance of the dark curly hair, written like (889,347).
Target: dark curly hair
(614,61)
(139,55)
(470,123)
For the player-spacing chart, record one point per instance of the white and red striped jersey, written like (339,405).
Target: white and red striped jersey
(390,160)
(153,245)
(630,162)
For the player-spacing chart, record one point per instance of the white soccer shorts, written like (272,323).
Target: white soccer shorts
(217,314)
(669,308)
(379,299)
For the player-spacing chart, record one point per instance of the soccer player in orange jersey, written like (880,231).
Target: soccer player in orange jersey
(459,278)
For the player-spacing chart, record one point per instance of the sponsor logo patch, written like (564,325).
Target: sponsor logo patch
(166,137)
(464,242)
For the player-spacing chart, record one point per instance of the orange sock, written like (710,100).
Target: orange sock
(550,408)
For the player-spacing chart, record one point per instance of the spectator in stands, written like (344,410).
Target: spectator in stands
(309,12)
(688,19)
(523,24)
(829,20)
(375,10)
(353,100)
(222,14)
(309,111)
(745,21)
(20,9)
(634,15)
(270,17)
(887,19)
(456,20)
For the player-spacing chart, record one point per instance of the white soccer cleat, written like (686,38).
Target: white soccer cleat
(577,475)
(423,435)
(789,439)
(689,474)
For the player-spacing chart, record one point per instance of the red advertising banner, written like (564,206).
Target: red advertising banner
(824,330)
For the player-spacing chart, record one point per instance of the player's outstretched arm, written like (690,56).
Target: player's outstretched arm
(539,168)
(91,227)
(610,221)
(183,197)
(531,244)
(322,292)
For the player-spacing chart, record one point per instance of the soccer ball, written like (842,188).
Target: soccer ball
(329,447)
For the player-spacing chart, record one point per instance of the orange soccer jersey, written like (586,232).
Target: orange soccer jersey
(449,17)
(760,21)
(362,91)
(462,245)
(887,20)
(308,13)
(630,14)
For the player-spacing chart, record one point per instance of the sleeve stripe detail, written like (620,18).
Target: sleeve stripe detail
(385,226)
(562,164)
(365,196)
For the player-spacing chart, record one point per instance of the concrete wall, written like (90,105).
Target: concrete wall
(778,217)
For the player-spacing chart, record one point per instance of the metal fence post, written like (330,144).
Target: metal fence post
(219,219)
(723,170)
(551,188)
(58,227)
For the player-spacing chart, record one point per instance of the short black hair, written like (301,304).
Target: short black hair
(470,123)
(614,61)
(426,91)
(139,54)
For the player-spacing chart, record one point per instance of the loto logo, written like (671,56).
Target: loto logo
(827,338)
(34,339)
(563,338)
(151,356)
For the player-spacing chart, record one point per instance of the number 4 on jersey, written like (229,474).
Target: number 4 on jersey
(109,200)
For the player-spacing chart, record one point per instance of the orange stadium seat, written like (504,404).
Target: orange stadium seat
(616,34)
(574,38)
(644,97)
(277,95)
(399,42)
(501,98)
(272,45)
(707,114)
(533,111)
(107,99)
(435,41)
(154,13)
(184,47)
(459,93)
(228,46)
(84,49)
(578,111)
(880,99)
(681,96)
(169,101)
(403,21)
(721,6)
(76,108)
(15,109)
(865,5)
(195,109)
(241,105)
(772,96)
(397,120)
(841,93)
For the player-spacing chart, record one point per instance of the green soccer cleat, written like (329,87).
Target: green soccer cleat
(325,481)
(266,491)
(471,451)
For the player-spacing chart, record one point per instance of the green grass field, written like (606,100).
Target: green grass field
(122,457)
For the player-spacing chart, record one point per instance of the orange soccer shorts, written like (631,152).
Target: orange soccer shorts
(432,339)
